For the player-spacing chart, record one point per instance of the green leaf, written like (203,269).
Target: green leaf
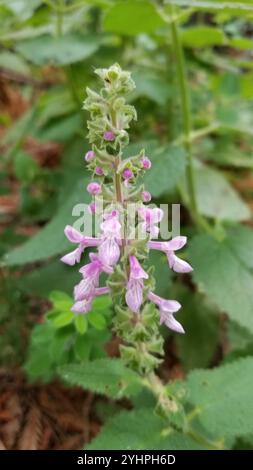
(104,376)
(140,429)
(151,86)
(202,328)
(11,61)
(65,50)
(244,5)
(202,36)
(60,300)
(63,319)
(216,198)
(81,324)
(50,241)
(223,398)
(223,271)
(132,17)
(25,167)
(97,320)
(168,166)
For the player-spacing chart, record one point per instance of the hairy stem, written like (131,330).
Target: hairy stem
(186,113)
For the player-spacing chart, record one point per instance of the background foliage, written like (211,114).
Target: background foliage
(48,51)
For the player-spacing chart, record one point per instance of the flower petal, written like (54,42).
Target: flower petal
(171,323)
(73,257)
(73,235)
(175,244)
(178,265)
(109,251)
(134,295)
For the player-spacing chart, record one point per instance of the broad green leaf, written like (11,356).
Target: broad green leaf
(58,51)
(63,319)
(81,324)
(243,5)
(104,376)
(151,86)
(241,43)
(25,167)
(132,17)
(202,36)
(60,300)
(223,398)
(97,320)
(50,241)
(140,429)
(11,61)
(223,271)
(216,198)
(202,329)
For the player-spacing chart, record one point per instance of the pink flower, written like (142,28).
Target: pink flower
(94,188)
(83,242)
(89,156)
(175,263)
(86,288)
(82,306)
(109,135)
(99,171)
(127,174)
(109,251)
(146,196)
(151,217)
(146,163)
(135,285)
(167,308)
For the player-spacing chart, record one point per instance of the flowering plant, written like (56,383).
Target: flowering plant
(122,256)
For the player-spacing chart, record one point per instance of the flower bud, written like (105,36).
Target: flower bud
(146,196)
(99,171)
(94,188)
(145,163)
(89,156)
(127,174)
(109,135)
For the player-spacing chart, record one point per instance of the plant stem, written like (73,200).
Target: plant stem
(59,18)
(186,114)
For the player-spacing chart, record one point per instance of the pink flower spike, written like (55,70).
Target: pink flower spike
(136,271)
(89,156)
(146,196)
(109,135)
(94,188)
(127,174)
(99,171)
(146,163)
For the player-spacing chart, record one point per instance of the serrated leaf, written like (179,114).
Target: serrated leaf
(223,397)
(50,240)
(140,429)
(105,376)
(202,328)
(132,17)
(216,198)
(223,271)
(67,49)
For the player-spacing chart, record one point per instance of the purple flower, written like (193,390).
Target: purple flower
(175,263)
(151,217)
(82,306)
(94,188)
(89,156)
(135,285)
(99,171)
(83,242)
(86,288)
(109,135)
(146,163)
(167,308)
(109,251)
(146,196)
(127,174)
